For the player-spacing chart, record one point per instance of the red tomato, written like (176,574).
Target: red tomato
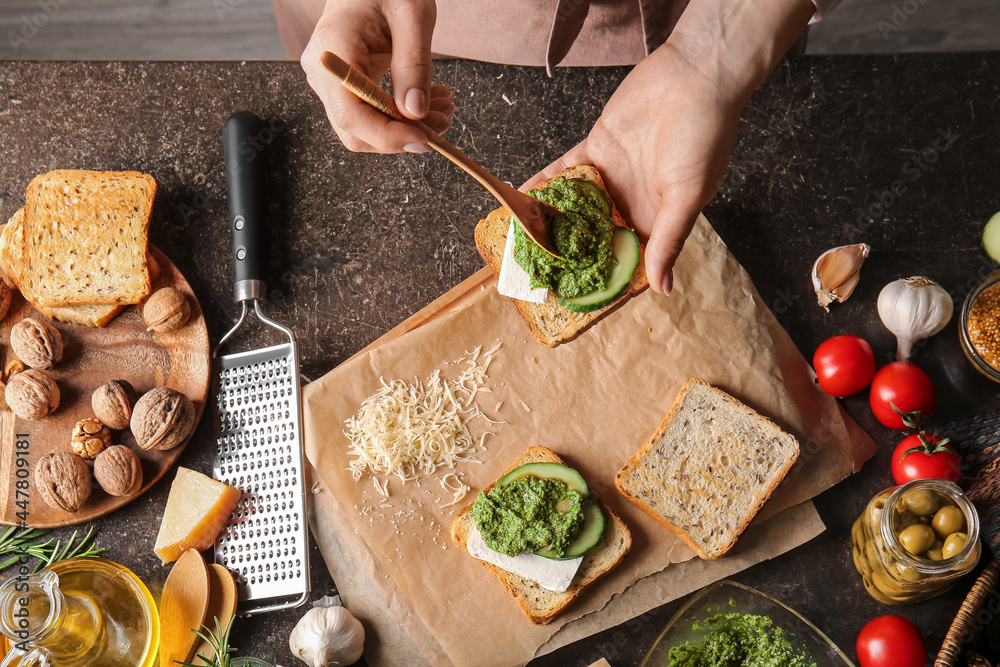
(923,456)
(901,387)
(844,365)
(891,641)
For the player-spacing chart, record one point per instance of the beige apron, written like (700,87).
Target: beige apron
(523,32)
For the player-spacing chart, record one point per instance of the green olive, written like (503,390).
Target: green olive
(921,502)
(948,520)
(905,520)
(934,553)
(907,573)
(917,539)
(953,544)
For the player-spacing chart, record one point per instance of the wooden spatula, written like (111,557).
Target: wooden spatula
(535,217)
(221,606)
(183,607)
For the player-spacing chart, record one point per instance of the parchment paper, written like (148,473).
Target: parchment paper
(594,401)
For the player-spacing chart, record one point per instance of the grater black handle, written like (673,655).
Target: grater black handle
(244,155)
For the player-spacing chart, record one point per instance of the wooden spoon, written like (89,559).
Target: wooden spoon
(221,605)
(535,217)
(183,607)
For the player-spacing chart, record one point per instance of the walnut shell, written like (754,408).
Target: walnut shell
(89,438)
(118,471)
(162,419)
(32,395)
(36,342)
(112,404)
(166,310)
(63,480)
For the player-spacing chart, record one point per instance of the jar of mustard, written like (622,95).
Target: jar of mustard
(914,541)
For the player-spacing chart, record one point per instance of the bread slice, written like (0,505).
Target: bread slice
(540,604)
(709,468)
(549,323)
(85,238)
(11,242)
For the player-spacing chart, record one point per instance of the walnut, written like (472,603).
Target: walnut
(118,471)
(63,480)
(113,403)
(89,438)
(162,419)
(36,342)
(166,310)
(32,395)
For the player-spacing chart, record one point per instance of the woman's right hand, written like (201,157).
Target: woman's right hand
(375,36)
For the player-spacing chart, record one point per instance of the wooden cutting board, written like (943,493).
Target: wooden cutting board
(122,350)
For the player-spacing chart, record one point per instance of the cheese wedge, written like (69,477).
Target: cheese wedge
(197,509)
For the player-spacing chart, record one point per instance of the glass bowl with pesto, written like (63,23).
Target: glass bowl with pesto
(726,620)
(980,331)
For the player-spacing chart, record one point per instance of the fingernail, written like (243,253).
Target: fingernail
(442,126)
(668,282)
(415,148)
(450,109)
(416,102)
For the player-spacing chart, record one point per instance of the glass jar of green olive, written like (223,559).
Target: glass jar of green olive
(913,541)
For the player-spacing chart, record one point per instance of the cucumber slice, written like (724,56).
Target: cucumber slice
(602,196)
(991,238)
(627,256)
(547,470)
(591,533)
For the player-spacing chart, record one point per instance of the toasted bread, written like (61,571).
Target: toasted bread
(542,605)
(549,323)
(11,240)
(708,469)
(85,238)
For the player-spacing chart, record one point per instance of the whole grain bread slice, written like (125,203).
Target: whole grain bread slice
(549,323)
(708,469)
(11,243)
(540,604)
(85,238)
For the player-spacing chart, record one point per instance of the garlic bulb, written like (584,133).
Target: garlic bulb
(836,273)
(328,634)
(913,309)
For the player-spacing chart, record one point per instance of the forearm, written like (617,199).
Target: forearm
(737,43)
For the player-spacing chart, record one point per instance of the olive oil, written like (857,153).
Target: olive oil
(81,612)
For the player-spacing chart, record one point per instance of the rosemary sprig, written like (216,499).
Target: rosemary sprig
(18,543)
(219,643)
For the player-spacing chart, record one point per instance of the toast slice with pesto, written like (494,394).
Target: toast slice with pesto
(708,469)
(538,603)
(550,323)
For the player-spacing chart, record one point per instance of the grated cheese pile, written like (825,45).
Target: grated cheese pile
(409,429)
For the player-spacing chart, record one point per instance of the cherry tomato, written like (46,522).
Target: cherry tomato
(891,641)
(901,387)
(844,365)
(923,456)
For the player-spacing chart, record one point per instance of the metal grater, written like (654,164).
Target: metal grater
(258,421)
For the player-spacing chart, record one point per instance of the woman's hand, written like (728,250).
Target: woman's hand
(662,143)
(375,36)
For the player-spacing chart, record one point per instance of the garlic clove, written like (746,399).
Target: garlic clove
(836,272)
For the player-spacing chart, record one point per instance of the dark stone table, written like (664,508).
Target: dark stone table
(895,151)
